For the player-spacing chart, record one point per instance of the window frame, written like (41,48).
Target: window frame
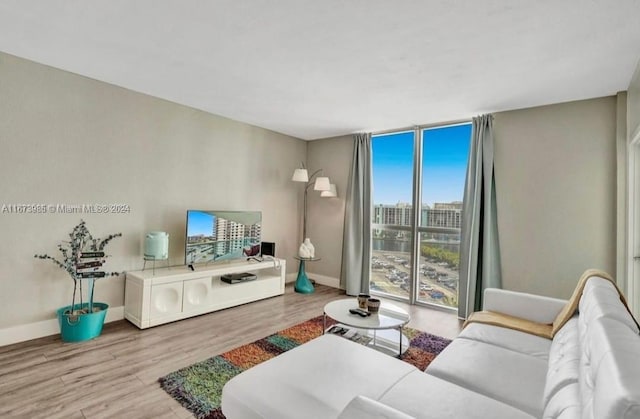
(415,229)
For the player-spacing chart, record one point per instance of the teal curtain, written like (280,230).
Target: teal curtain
(479,245)
(356,248)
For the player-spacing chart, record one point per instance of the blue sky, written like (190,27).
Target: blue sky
(199,223)
(445,152)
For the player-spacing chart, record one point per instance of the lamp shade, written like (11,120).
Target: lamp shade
(156,246)
(322,184)
(300,175)
(331,193)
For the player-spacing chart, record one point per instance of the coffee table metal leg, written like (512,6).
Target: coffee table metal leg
(400,332)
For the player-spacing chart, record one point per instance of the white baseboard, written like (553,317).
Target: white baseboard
(290,277)
(325,280)
(320,279)
(44,328)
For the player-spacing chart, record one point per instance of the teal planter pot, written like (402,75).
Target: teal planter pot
(78,328)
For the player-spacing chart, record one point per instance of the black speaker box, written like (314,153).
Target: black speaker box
(268,249)
(235,278)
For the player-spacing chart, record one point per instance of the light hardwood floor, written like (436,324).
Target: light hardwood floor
(115,375)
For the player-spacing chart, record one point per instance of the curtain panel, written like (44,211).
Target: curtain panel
(356,251)
(479,247)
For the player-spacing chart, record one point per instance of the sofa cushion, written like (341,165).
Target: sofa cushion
(314,380)
(364,407)
(600,298)
(610,375)
(425,396)
(565,403)
(502,374)
(536,308)
(508,339)
(564,360)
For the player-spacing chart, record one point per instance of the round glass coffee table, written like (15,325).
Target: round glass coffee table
(384,328)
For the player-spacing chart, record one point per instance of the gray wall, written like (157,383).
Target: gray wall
(326,215)
(556,185)
(67,139)
(633,104)
(632,283)
(555,170)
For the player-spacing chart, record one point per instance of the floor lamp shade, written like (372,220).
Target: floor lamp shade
(300,175)
(322,184)
(156,245)
(331,193)
(319,183)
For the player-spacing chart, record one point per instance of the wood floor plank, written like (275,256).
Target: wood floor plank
(143,402)
(116,375)
(18,401)
(26,377)
(79,395)
(35,345)
(21,363)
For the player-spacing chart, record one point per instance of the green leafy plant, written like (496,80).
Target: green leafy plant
(80,240)
(441,255)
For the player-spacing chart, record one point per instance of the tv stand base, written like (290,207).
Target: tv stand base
(180,292)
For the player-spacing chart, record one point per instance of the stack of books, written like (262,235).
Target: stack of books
(90,265)
(350,334)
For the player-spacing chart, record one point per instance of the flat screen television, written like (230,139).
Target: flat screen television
(214,236)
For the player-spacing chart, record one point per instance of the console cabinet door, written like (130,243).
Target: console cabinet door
(166,299)
(197,294)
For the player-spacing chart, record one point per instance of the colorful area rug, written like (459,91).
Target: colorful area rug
(198,387)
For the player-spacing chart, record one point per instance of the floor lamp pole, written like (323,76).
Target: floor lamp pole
(304,214)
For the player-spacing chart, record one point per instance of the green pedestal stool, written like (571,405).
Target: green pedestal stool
(303,284)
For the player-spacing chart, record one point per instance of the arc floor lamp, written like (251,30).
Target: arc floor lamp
(320,183)
(327,190)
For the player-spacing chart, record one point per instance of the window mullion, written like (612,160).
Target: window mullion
(417,208)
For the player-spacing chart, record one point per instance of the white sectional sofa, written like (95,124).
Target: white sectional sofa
(590,370)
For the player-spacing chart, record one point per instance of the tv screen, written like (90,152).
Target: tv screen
(222,235)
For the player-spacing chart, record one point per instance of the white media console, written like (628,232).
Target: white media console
(175,293)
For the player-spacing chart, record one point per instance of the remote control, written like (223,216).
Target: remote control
(359,312)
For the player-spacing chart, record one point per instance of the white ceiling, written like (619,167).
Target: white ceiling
(315,69)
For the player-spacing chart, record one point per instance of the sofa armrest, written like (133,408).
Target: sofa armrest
(363,407)
(536,308)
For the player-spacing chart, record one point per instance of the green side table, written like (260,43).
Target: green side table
(303,285)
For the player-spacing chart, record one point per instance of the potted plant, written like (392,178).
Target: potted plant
(82,258)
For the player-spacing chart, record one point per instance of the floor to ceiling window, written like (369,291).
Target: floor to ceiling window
(415,254)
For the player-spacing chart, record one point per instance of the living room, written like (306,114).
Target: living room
(73,137)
